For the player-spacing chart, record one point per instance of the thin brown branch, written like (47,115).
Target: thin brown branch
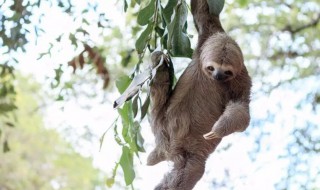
(313,23)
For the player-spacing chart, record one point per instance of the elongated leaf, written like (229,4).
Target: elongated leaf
(135,106)
(143,38)
(125,6)
(145,106)
(122,83)
(168,10)
(215,6)
(126,162)
(138,138)
(178,41)
(125,113)
(6,146)
(146,13)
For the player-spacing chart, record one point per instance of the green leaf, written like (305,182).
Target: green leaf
(116,135)
(110,182)
(125,117)
(159,31)
(146,13)
(135,106)
(168,10)
(9,124)
(126,162)
(215,6)
(144,108)
(138,138)
(143,38)
(125,8)
(6,146)
(178,41)
(122,83)
(4,107)
(243,2)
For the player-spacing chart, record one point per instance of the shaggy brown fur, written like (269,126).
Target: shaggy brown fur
(210,101)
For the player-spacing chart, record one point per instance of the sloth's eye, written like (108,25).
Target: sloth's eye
(228,73)
(210,68)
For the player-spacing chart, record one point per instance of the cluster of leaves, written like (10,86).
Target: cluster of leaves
(130,139)
(166,27)
(7,102)
(91,55)
(39,157)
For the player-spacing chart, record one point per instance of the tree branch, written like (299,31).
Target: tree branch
(313,23)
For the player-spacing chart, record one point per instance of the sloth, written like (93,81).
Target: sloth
(210,101)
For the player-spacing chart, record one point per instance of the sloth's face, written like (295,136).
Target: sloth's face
(220,72)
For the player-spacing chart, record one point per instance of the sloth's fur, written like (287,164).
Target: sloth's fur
(210,101)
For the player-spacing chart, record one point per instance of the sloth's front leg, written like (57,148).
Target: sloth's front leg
(160,91)
(235,118)
(161,85)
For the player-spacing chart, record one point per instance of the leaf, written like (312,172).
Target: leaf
(9,124)
(4,107)
(116,135)
(125,117)
(6,146)
(243,3)
(110,181)
(159,31)
(146,13)
(215,6)
(138,138)
(178,41)
(133,88)
(145,106)
(126,163)
(125,5)
(103,135)
(168,10)
(143,38)
(135,106)
(122,83)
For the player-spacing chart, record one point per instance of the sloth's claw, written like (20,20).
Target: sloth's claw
(211,135)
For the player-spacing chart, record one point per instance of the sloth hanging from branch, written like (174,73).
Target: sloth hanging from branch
(210,100)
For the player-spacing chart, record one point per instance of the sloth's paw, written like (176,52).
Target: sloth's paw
(155,157)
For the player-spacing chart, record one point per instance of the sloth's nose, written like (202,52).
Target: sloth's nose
(219,75)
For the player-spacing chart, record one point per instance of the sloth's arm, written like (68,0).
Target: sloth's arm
(235,118)
(161,86)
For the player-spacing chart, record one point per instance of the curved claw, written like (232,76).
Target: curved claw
(211,135)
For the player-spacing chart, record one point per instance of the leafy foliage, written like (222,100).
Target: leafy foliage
(39,158)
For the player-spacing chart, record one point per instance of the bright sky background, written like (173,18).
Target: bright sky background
(261,174)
